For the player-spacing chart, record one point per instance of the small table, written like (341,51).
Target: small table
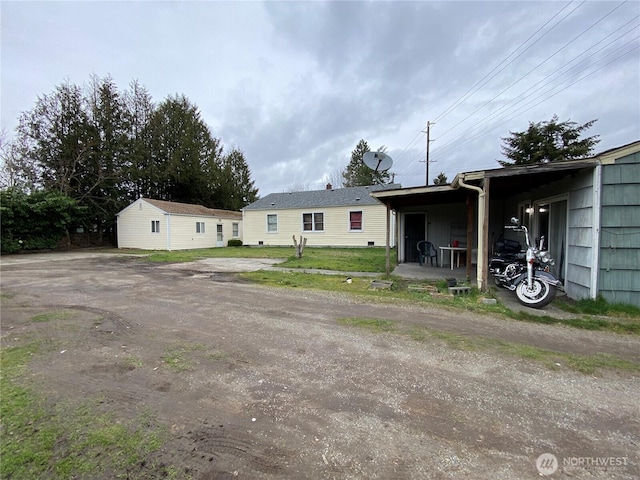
(453,250)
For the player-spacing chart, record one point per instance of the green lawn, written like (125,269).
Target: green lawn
(68,440)
(370,259)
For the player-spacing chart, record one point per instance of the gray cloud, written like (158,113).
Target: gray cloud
(296,85)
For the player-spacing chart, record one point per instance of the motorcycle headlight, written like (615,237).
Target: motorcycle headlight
(545,257)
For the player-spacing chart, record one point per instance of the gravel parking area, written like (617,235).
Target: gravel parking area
(275,385)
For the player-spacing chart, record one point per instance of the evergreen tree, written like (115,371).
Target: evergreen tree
(357,174)
(184,152)
(107,194)
(550,141)
(140,177)
(441,179)
(237,190)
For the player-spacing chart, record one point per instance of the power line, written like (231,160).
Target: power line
(484,80)
(483,124)
(540,84)
(480,83)
(532,70)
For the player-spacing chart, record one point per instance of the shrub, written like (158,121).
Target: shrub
(234,242)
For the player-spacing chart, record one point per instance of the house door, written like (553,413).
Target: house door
(219,237)
(414,227)
(552,223)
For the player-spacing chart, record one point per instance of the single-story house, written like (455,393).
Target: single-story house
(588,211)
(160,225)
(340,217)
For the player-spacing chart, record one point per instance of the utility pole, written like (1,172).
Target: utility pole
(427,159)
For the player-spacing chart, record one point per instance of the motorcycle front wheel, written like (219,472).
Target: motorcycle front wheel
(539,295)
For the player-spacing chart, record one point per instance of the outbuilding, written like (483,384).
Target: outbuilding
(161,225)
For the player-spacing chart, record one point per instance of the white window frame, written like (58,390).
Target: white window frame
(235,229)
(313,222)
(361,229)
(155,226)
(525,213)
(272,215)
(200,228)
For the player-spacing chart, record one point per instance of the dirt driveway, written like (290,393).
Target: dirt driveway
(275,386)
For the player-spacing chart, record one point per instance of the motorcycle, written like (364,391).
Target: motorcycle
(525,273)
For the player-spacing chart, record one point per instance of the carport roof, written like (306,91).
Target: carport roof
(504,182)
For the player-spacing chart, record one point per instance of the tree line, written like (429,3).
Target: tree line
(104,148)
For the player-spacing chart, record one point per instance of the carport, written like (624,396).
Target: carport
(482,201)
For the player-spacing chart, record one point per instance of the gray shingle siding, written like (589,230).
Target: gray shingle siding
(338,197)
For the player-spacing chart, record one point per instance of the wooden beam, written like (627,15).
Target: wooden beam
(470,209)
(388,252)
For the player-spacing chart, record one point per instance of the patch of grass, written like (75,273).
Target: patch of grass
(582,363)
(221,252)
(459,342)
(370,259)
(372,324)
(177,358)
(215,356)
(550,359)
(132,361)
(315,281)
(66,441)
(599,306)
(584,323)
(54,315)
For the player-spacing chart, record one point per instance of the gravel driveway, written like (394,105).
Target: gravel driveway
(277,386)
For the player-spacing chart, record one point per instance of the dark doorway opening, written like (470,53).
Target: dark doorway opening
(414,224)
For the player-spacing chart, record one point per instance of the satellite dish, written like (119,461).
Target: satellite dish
(377,161)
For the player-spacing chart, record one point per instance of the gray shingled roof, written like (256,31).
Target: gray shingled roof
(338,197)
(190,209)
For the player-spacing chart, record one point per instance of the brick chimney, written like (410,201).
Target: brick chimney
(329,186)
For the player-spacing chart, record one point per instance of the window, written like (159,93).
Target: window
(313,222)
(235,230)
(355,220)
(199,227)
(272,223)
(155,226)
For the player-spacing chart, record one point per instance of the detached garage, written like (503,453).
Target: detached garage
(160,225)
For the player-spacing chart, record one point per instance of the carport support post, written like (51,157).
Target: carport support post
(388,251)
(470,205)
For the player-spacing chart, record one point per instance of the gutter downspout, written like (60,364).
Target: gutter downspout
(595,231)
(483,231)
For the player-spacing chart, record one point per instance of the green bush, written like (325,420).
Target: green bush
(36,221)
(234,242)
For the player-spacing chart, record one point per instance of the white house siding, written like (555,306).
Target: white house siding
(336,231)
(177,230)
(134,227)
(184,236)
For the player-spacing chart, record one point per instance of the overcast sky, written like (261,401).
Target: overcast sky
(296,85)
